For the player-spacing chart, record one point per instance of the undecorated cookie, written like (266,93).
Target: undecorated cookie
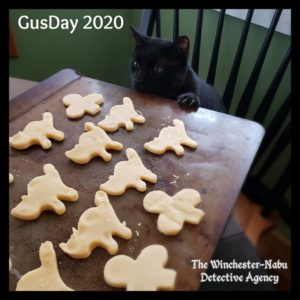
(78,105)
(146,273)
(128,174)
(121,116)
(37,133)
(171,138)
(45,192)
(96,227)
(92,143)
(11,178)
(174,211)
(46,277)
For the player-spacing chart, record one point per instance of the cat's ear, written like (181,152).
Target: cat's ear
(183,43)
(140,39)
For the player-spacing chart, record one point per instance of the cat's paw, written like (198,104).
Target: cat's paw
(189,100)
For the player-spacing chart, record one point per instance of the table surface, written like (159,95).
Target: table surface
(217,169)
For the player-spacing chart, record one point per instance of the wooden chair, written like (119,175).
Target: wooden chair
(273,144)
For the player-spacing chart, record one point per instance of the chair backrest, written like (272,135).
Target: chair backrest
(277,138)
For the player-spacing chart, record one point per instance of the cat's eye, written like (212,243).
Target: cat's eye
(157,69)
(136,65)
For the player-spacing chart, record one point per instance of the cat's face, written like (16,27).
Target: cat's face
(157,66)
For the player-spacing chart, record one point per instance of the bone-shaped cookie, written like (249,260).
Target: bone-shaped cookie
(45,192)
(37,133)
(46,277)
(128,174)
(121,116)
(146,273)
(174,211)
(92,143)
(171,138)
(78,105)
(96,227)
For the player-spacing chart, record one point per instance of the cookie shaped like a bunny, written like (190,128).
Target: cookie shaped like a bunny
(174,211)
(123,115)
(78,105)
(37,133)
(46,277)
(94,142)
(128,174)
(45,192)
(146,273)
(171,138)
(96,227)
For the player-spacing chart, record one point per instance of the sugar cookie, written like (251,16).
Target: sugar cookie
(92,143)
(78,105)
(45,192)
(46,277)
(11,178)
(121,116)
(96,227)
(37,133)
(171,138)
(146,273)
(174,211)
(128,174)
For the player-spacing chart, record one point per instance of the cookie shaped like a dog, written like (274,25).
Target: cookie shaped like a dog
(11,178)
(78,105)
(171,138)
(96,227)
(121,116)
(174,211)
(44,193)
(128,174)
(46,277)
(37,133)
(92,143)
(146,273)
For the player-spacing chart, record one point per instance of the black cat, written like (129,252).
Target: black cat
(160,67)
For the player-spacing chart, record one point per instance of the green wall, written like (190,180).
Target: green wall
(101,54)
(104,54)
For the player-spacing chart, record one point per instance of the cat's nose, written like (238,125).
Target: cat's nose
(139,78)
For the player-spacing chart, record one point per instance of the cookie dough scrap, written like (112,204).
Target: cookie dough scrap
(37,133)
(128,174)
(78,105)
(11,178)
(94,142)
(45,192)
(121,116)
(171,138)
(174,211)
(96,227)
(146,273)
(46,277)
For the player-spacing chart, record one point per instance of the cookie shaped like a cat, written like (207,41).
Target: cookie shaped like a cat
(11,178)
(121,116)
(37,133)
(96,227)
(174,211)
(45,192)
(78,105)
(146,273)
(128,174)
(171,138)
(94,142)
(46,277)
